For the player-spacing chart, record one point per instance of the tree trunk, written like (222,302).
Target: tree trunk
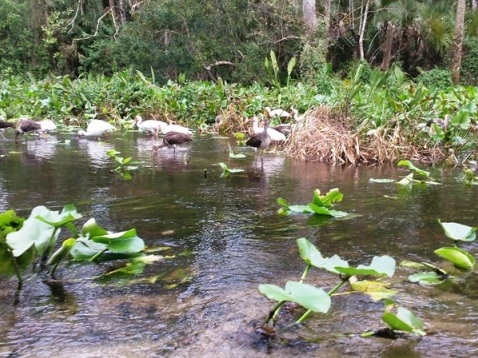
(363,24)
(389,29)
(328,4)
(474,5)
(458,42)
(309,16)
(122,11)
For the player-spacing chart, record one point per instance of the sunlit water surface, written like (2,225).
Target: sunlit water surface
(223,238)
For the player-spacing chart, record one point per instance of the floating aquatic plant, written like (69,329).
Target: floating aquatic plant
(315,299)
(417,175)
(22,241)
(320,205)
(457,256)
(226,170)
(124,167)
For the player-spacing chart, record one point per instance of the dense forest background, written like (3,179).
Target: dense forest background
(212,39)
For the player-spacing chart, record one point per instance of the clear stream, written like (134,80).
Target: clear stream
(223,238)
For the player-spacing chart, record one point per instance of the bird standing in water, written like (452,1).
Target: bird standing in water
(150,126)
(25,125)
(96,128)
(172,139)
(261,140)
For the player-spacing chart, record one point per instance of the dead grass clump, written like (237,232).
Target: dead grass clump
(319,136)
(231,121)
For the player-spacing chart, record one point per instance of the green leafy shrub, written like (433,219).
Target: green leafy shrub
(469,64)
(436,78)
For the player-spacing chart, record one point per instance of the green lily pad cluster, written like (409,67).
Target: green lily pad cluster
(432,275)
(37,236)
(417,175)
(124,167)
(316,299)
(320,205)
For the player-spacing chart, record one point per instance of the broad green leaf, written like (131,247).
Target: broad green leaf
(282,202)
(7,267)
(55,219)
(380,266)
(86,249)
(126,161)
(425,278)
(274,292)
(309,252)
(91,228)
(396,323)
(121,242)
(332,196)
(458,232)
(291,65)
(112,153)
(312,256)
(308,296)
(226,169)
(319,210)
(62,252)
(33,232)
(404,321)
(457,256)
(421,173)
(301,209)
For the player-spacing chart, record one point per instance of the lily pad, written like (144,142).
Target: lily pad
(310,297)
(458,232)
(459,257)
(404,321)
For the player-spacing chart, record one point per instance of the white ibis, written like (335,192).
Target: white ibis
(25,125)
(96,128)
(47,125)
(277,113)
(167,128)
(4,125)
(150,126)
(275,135)
(172,139)
(261,140)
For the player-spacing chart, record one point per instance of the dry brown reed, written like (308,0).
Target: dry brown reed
(320,135)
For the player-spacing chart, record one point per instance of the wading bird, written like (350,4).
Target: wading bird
(167,128)
(261,140)
(149,126)
(96,128)
(173,139)
(25,125)
(276,135)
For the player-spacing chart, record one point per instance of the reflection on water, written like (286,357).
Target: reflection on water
(226,239)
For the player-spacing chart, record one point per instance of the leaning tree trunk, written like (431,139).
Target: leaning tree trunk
(458,42)
(389,30)
(309,16)
(363,24)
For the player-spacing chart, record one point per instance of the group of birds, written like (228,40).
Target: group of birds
(24,125)
(173,134)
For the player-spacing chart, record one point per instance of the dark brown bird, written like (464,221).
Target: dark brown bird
(261,140)
(24,126)
(172,139)
(4,125)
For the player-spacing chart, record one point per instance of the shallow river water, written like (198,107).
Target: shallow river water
(222,238)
